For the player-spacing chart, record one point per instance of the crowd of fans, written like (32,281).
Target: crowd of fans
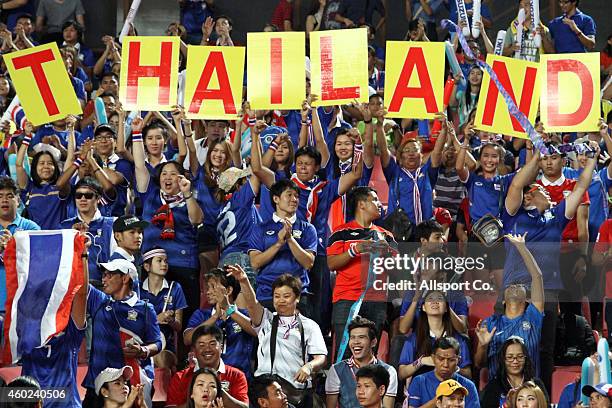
(236,252)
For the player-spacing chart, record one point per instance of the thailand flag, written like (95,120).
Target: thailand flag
(44,270)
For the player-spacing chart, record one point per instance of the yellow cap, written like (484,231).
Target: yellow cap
(448,387)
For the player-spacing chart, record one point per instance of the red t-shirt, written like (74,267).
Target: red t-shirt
(352,279)
(232,380)
(604,238)
(282,12)
(558,194)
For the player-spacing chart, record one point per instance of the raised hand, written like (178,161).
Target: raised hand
(184,184)
(484,335)
(237,272)
(516,239)
(137,124)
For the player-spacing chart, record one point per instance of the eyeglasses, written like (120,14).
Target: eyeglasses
(78,195)
(520,358)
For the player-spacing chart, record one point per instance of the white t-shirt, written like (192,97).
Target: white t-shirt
(288,359)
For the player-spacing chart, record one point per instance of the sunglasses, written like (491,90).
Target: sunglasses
(88,196)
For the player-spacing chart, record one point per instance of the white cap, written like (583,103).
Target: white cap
(122,265)
(111,374)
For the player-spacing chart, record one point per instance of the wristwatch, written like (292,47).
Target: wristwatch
(230,310)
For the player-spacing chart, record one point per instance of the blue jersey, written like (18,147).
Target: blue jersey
(49,130)
(570,396)
(44,204)
(397,178)
(565,40)
(236,220)
(293,120)
(486,196)
(126,169)
(410,349)
(543,241)
(108,316)
(528,326)
(265,235)
(18,224)
(183,249)
(238,344)
(172,300)
(79,88)
(55,365)
(102,241)
(598,196)
(423,389)
(210,206)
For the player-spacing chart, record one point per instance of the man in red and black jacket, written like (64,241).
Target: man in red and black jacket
(348,252)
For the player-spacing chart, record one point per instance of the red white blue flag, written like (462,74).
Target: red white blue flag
(44,270)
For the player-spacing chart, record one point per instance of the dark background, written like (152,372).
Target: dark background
(106,16)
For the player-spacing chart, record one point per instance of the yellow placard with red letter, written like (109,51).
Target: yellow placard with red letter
(414,79)
(149,74)
(42,84)
(522,82)
(275,69)
(213,85)
(339,66)
(570,92)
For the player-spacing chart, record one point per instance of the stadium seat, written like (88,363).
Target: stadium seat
(560,378)
(8,374)
(161,382)
(482,307)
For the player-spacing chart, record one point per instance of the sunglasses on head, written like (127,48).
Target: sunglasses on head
(88,196)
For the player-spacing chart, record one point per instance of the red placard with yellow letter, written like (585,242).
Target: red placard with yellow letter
(213,87)
(570,92)
(522,82)
(149,75)
(339,66)
(414,79)
(275,62)
(42,84)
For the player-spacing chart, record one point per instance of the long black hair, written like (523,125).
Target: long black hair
(205,370)
(34,173)
(528,370)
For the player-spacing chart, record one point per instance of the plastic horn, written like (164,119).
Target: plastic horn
(499,42)
(128,123)
(129,19)
(603,350)
(452,59)
(587,372)
(424,128)
(519,33)
(462,16)
(476,18)
(535,17)
(181,88)
(100,111)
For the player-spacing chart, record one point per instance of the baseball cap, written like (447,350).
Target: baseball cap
(121,265)
(104,128)
(128,222)
(229,177)
(111,374)
(448,387)
(602,388)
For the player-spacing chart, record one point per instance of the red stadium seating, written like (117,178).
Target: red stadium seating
(10,373)
(560,378)
(378,182)
(162,380)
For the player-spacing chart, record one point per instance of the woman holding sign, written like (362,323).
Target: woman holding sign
(410,181)
(173,212)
